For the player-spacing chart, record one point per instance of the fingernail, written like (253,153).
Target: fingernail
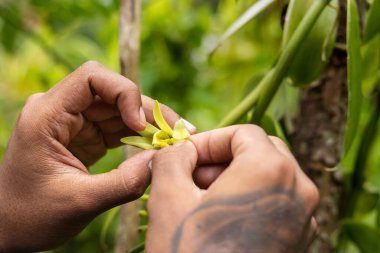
(150,165)
(142,117)
(189,126)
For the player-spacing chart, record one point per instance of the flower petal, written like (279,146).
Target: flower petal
(138,141)
(149,130)
(160,139)
(160,120)
(180,131)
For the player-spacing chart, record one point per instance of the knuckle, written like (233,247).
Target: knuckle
(252,129)
(282,170)
(33,98)
(91,65)
(28,117)
(133,89)
(136,186)
(277,140)
(311,194)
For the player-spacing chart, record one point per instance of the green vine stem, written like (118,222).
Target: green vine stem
(264,92)
(138,248)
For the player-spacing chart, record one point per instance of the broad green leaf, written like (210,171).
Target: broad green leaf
(315,51)
(138,141)
(160,120)
(366,202)
(373,22)
(180,131)
(365,237)
(110,216)
(354,73)
(274,78)
(149,130)
(253,11)
(367,141)
(371,62)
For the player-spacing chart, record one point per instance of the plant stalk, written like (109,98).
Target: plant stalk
(267,88)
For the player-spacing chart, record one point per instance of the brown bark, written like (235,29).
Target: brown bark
(129,46)
(317,143)
(318,138)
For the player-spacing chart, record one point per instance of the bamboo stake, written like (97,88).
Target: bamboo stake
(129,46)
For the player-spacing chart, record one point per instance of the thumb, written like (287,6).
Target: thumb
(172,169)
(126,183)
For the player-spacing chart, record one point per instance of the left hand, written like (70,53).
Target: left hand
(46,192)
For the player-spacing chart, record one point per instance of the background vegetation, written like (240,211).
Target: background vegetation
(43,41)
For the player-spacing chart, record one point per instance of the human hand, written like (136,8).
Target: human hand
(46,192)
(262,202)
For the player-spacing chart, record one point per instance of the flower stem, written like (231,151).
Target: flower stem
(263,94)
(138,248)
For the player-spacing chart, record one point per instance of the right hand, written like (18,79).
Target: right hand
(262,202)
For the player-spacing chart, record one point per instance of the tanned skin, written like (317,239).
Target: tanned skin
(47,194)
(261,203)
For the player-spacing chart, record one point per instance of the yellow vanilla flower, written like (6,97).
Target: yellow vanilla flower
(153,137)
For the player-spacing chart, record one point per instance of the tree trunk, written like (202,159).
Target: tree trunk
(129,46)
(318,137)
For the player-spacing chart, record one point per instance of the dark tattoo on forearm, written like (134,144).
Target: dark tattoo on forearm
(271,222)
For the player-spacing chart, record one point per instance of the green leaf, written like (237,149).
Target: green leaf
(256,8)
(138,141)
(373,23)
(272,127)
(280,71)
(365,237)
(371,61)
(110,216)
(316,49)
(366,202)
(354,73)
(160,120)
(180,131)
(149,130)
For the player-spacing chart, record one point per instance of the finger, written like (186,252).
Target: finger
(310,235)
(205,175)
(172,170)
(170,116)
(221,145)
(111,126)
(281,146)
(77,92)
(128,182)
(173,192)
(100,111)
(304,186)
(256,163)
(313,229)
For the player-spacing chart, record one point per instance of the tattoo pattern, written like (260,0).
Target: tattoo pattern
(271,221)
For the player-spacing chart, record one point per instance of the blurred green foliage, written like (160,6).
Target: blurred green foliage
(43,41)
